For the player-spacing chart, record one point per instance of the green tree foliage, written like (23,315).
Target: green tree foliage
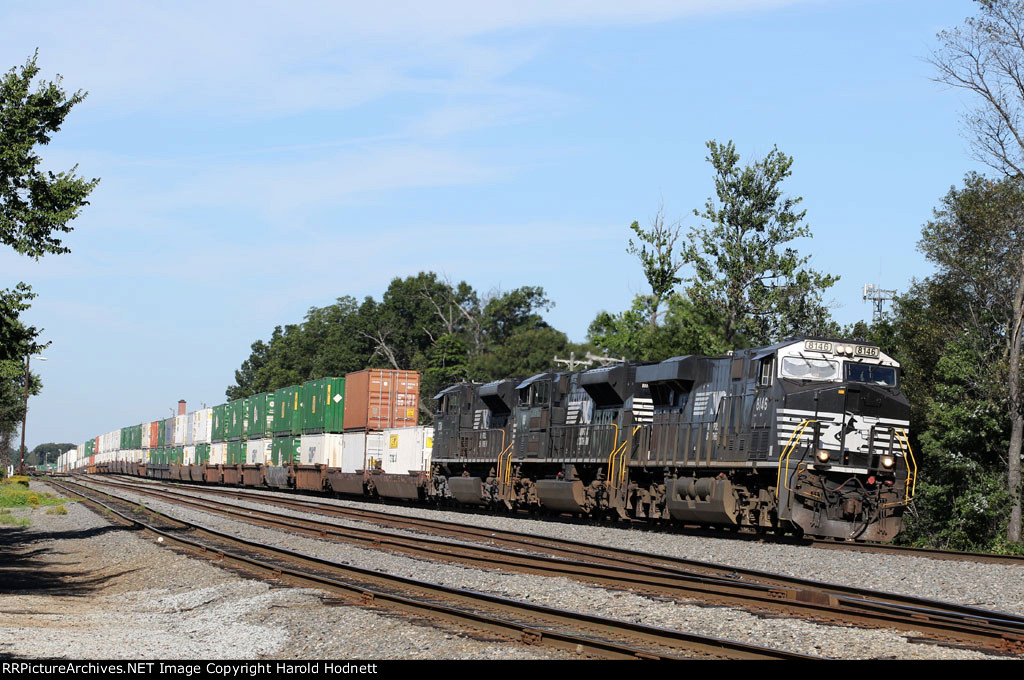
(759,287)
(684,330)
(953,331)
(36,207)
(660,260)
(46,453)
(447,331)
(985,57)
(749,287)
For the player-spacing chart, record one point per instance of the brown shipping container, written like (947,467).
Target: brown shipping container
(376,398)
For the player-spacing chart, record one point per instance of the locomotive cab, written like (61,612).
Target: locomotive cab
(846,468)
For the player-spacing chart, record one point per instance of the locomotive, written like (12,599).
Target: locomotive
(809,435)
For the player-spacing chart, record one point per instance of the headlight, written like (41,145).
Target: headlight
(888,462)
(823,456)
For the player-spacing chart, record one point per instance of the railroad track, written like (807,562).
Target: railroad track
(609,567)
(745,535)
(530,623)
(912,551)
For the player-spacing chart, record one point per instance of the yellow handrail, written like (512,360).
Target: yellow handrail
(611,456)
(794,439)
(620,451)
(505,476)
(908,453)
(622,457)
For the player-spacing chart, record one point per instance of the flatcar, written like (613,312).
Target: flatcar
(808,435)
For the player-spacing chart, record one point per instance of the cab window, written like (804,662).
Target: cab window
(809,369)
(871,374)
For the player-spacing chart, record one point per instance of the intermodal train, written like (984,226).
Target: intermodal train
(810,436)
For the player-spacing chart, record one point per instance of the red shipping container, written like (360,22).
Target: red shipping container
(376,398)
(154,434)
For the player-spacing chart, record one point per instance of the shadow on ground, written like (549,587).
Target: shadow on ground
(27,568)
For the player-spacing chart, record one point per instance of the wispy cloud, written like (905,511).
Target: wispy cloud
(272,59)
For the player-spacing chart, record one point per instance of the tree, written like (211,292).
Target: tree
(46,453)
(986,58)
(683,331)
(36,206)
(660,261)
(975,241)
(759,287)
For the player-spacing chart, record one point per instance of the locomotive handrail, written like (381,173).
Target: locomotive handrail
(619,449)
(794,439)
(505,475)
(611,456)
(908,454)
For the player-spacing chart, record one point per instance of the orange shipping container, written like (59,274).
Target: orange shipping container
(154,434)
(376,398)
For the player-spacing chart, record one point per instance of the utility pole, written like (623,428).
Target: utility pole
(573,363)
(24,416)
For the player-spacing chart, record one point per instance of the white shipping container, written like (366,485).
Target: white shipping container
(202,421)
(188,455)
(407,449)
(145,436)
(218,453)
(360,449)
(313,450)
(179,429)
(256,451)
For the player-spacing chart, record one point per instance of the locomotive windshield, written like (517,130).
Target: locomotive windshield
(809,369)
(868,373)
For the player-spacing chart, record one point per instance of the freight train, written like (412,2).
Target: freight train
(808,435)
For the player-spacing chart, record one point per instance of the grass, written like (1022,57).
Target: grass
(10,520)
(57,510)
(14,493)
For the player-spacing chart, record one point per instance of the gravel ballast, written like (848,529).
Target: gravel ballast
(75,586)
(993,586)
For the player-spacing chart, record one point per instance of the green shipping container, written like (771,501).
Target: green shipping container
(285,450)
(131,437)
(288,411)
(235,453)
(219,419)
(202,454)
(259,416)
(234,418)
(323,405)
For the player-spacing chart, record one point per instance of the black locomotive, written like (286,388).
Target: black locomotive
(808,435)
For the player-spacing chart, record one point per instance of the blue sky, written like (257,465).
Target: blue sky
(261,158)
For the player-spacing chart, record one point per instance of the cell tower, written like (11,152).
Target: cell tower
(877,296)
